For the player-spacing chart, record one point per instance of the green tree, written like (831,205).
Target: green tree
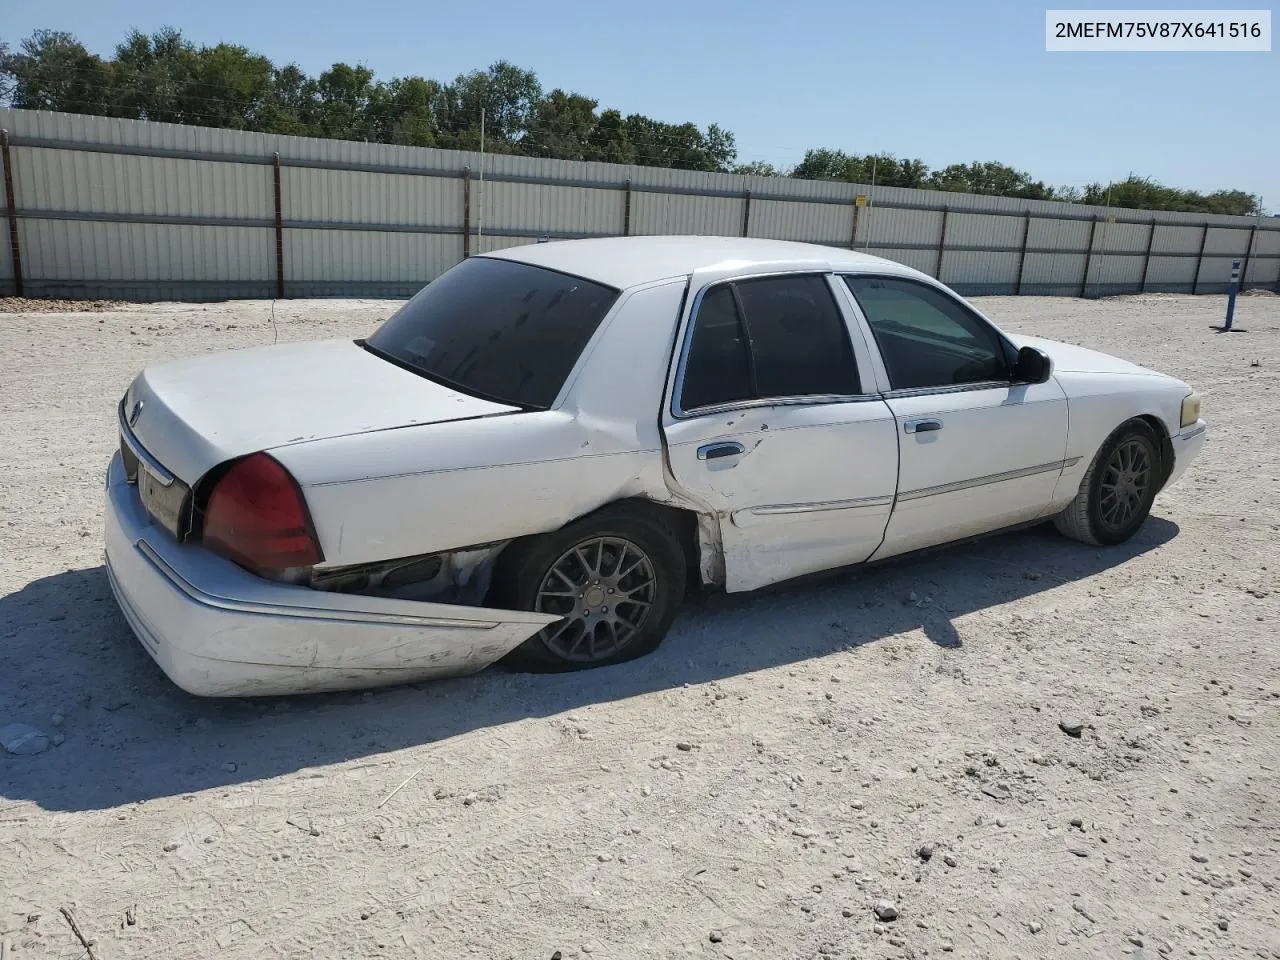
(346,100)
(1143,193)
(564,126)
(684,145)
(991,178)
(509,97)
(152,79)
(227,86)
(610,141)
(291,102)
(882,169)
(53,71)
(758,168)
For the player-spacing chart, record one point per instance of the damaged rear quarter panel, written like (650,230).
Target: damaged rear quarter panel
(443,486)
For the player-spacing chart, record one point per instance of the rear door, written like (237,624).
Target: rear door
(979,451)
(774,424)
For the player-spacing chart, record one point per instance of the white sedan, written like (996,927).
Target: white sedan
(538,454)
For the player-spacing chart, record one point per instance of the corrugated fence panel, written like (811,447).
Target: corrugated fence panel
(1226,242)
(111,204)
(342,196)
(1215,274)
(1121,238)
(1171,274)
(1111,274)
(1053,274)
(890,227)
(488,243)
(1058,235)
(541,209)
(983,230)
(111,183)
(87,258)
(321,263)
(827,223)
(1177,239)
(659,213)
(1262,270)
(977,273)
(922,260)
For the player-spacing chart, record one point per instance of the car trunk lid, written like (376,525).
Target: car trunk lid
(191,415)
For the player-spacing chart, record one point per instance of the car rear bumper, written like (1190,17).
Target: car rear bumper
(1186,445)
(218,630)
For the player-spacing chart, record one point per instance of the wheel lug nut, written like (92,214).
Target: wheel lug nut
(604,609)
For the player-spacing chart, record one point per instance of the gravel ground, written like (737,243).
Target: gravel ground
(753,789)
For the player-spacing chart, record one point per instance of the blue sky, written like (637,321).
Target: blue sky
(942,81)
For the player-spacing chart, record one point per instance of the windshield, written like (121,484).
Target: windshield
(497,329)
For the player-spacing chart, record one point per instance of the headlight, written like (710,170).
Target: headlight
(1190,409)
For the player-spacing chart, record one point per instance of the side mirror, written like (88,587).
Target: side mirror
(1033,366)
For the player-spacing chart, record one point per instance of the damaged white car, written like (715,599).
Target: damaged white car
(537,454)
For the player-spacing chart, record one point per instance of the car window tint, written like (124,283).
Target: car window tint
(716,368)
(799,340)
(926,338)
(498,329)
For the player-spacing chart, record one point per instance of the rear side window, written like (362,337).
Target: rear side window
(497,329)
(718,369)
(765,338)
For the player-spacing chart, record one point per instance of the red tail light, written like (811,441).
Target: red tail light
(257,518)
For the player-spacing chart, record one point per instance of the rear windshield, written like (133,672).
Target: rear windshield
(497,329)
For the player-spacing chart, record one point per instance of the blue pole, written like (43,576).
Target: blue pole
(1231,293)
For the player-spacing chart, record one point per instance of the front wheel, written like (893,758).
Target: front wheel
(1117,490)
(616,579)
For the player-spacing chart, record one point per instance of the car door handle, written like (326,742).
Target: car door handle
(928,425)
(717,451)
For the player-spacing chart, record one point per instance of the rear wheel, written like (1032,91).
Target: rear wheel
(616,579)
(1117,490)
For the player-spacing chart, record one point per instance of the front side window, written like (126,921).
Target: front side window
(926,338)
(771,337)
(497,329)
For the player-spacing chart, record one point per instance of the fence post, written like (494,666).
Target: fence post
(1248,252)
(1088,255)
(1146,260)
(1195,284)
(746,211)
(1231,294)
(1022,257)
(853,234)
(626,210)
(942,244)
(275,171)
(466,211)
(15,251)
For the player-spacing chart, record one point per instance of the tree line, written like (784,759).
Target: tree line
(165,77)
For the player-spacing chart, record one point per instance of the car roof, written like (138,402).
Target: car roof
(623,262)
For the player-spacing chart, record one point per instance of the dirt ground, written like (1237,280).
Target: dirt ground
(750,790)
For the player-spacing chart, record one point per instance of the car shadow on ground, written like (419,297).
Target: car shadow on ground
(130,735)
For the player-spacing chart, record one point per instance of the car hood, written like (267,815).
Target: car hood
(1068,358)
(198,413)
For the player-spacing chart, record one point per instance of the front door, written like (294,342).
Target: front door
(978,450)
(769,428)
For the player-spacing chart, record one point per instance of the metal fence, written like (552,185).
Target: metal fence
(106,208)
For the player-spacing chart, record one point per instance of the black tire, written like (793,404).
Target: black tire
(1107,510)
(525,569)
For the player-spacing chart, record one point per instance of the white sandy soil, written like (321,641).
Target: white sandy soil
(833,729)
